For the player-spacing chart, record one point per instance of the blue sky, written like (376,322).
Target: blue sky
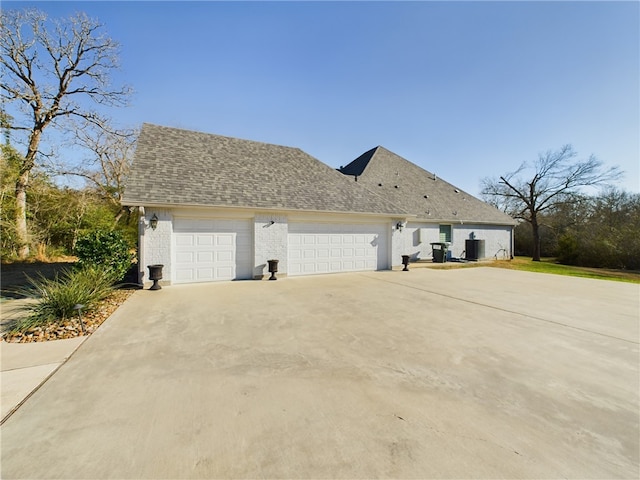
(463,89)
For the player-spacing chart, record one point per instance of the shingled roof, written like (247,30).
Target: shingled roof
(182,167)
(420,192)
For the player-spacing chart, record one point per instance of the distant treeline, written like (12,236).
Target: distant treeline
(599,231)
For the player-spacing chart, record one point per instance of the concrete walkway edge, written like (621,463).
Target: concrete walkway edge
(28,366)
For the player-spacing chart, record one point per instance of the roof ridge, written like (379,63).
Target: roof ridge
(208,134)
(218,171)
(419,191)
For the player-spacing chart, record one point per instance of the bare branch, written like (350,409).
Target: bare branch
(111,153)
(46,65)
(554,179)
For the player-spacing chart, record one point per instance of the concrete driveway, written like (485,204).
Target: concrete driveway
(474,373)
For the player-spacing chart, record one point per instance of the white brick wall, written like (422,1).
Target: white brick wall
(270,242)
(497,240)
(400,243)
(409,241)
(156,244)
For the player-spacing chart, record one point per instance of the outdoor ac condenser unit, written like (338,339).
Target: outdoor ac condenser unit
(474,249)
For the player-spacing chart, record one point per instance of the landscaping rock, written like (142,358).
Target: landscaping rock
(70,327)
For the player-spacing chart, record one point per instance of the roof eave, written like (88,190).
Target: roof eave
(147,204)
(462,221)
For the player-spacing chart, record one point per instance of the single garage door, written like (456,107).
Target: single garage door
(212,249)
(329,248)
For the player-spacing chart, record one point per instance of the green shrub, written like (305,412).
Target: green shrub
(107,250)
(568,249)
(55,298)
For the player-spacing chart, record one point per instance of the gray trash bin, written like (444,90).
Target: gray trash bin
(439,251)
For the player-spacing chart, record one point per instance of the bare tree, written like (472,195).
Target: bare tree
(111,155)
(555,178)
(53,70)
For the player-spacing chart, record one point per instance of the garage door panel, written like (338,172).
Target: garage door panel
(324,248)
(184,240)
(225,239)
(203,257)
(294,239)
(204,240)
(204,274)
(224,256)
(295,255)
(184,257)
(322,267)
(184,275)
(212,249)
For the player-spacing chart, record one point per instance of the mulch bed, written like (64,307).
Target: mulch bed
(71,327)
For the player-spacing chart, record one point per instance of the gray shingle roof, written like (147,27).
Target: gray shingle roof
(181,167)
(406,185)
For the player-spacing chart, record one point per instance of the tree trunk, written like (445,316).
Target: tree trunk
(535,229)
(22,232)
(118,217)
(22,235)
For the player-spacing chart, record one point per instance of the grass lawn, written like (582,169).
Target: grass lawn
(548,265)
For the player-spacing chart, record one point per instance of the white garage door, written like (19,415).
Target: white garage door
(329,248)
(213,249)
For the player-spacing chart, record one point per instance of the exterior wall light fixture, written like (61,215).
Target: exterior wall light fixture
(153,223)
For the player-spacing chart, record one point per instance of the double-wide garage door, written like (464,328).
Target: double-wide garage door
(330,248)
(212,249)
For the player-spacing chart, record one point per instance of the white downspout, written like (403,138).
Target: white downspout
(142,226)
(513,243)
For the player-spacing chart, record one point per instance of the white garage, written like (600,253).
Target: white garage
(220,208)
(208,250)
(330,248)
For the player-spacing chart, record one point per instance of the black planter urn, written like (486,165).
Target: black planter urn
(155,274)
(273,268)
(405,262)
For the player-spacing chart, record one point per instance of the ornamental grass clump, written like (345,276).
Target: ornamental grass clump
(56,298)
